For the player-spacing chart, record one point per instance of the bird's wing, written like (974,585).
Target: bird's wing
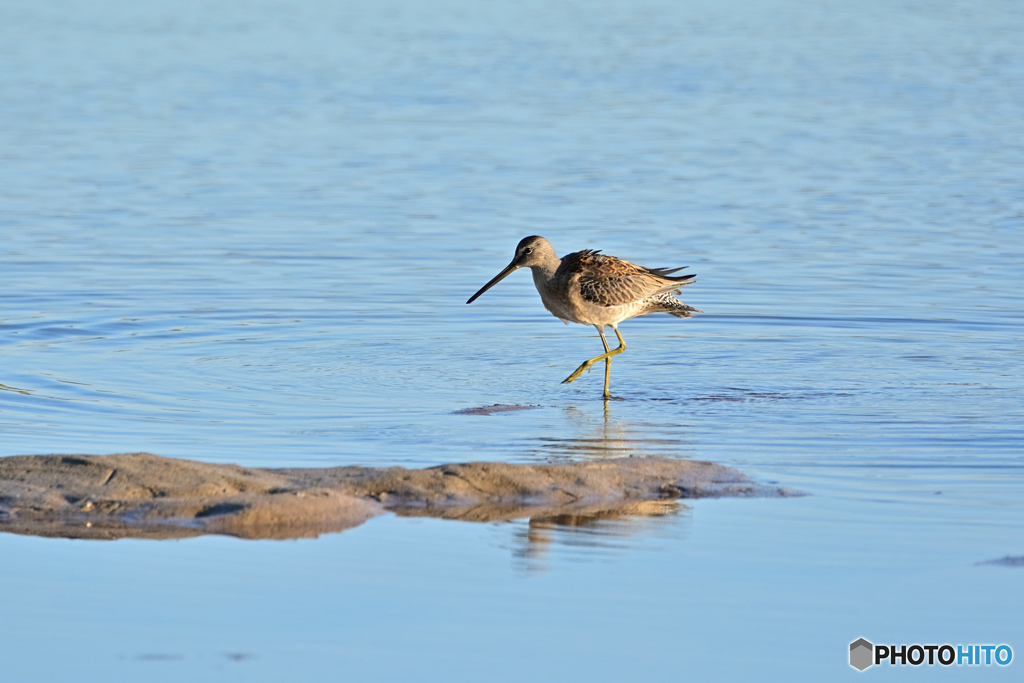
(610,281)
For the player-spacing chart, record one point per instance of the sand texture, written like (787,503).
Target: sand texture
(141,495)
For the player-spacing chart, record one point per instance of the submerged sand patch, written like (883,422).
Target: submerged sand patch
(494,408)
(141,495)
(1008,561)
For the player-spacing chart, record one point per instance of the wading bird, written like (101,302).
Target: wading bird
(590,288)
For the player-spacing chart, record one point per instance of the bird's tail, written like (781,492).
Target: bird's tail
(673,306)
(666,274)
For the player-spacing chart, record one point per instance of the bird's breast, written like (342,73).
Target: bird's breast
(559,307)
(555,297)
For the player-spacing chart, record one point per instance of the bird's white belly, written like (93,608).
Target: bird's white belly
(574,309)
(595,314)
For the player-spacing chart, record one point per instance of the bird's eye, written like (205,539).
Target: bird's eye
(528,250)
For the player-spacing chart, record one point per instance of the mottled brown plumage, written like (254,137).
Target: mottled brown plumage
(610,281)
(590,288)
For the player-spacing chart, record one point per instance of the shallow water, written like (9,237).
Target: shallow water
(245,232)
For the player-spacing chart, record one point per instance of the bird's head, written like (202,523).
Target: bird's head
(531,252)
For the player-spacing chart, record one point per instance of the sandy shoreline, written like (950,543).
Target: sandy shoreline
(141,495)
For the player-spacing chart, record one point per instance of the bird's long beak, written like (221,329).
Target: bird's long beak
(497,278)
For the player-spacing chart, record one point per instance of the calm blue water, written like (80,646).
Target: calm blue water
(245,232)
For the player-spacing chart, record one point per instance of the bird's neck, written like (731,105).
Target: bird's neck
(544,272)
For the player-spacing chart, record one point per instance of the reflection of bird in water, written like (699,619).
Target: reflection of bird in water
(594,531)
(590,288)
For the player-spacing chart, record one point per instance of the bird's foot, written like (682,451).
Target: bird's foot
(579,371)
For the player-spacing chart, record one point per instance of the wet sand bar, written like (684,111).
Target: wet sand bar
(141,495)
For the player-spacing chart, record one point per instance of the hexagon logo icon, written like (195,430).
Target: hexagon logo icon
(861,654)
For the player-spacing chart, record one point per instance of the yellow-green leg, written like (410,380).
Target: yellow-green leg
(607,362)
(586,365)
